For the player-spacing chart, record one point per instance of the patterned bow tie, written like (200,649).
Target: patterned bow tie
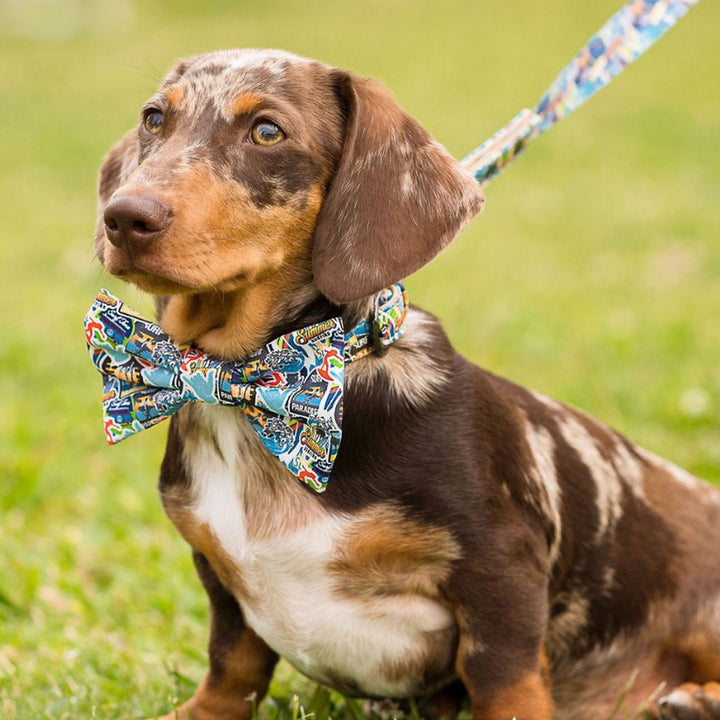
(290,390)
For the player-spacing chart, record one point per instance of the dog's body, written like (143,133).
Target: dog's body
(474,536)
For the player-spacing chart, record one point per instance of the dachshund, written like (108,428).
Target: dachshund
(476,539)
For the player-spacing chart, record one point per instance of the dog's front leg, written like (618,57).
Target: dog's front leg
(499,688)
(527,698)
(500,658)
(241,664)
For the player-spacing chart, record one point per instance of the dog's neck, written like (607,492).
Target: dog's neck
(232,325)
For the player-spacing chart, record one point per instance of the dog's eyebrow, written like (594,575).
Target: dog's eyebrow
(174,94)
(277,109)
(166,99)
(245,103)
(159,100)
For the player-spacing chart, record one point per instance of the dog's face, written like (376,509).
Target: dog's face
(258,167)
(223,179)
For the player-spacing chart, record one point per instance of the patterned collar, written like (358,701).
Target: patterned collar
(386,326)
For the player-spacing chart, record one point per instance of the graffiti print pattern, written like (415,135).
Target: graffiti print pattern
(383,329)
(290,390)
(621,41)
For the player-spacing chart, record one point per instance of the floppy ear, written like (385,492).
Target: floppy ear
(397,197)
(117,166)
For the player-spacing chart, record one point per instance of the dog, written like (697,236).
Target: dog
(476,538)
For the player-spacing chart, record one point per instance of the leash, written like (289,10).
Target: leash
(621,41)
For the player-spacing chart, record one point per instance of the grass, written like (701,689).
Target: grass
(593,276)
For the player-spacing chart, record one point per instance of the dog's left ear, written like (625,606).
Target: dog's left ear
(397,197)
(117,166)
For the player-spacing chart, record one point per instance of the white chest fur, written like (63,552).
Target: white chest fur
(281,544)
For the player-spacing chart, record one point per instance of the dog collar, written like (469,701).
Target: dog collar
(290,390)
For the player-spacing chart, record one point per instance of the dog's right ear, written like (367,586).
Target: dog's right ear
(396,200)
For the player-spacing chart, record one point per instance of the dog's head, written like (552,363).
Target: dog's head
(253,166)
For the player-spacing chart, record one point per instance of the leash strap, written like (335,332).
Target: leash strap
(623,39)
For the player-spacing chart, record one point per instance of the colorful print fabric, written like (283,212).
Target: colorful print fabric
(496,153)
(386,326)
(623,39)
(290,390)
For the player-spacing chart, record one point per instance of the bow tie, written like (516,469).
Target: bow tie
(290,390)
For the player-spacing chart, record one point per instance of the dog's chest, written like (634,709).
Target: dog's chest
(311,583)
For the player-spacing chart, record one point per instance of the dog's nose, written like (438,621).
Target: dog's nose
(135,220)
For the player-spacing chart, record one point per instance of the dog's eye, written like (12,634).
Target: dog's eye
(153,121)
(265,132)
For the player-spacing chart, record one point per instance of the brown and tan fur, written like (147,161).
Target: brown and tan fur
(491,542)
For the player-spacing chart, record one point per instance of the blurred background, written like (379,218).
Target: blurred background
(593,275)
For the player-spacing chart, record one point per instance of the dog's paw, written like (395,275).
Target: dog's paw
(690,702)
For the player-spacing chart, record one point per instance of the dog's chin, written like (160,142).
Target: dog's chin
(152,283)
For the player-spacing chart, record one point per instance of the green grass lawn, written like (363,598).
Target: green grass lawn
(593,275)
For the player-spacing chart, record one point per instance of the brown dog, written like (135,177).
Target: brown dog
(475,537)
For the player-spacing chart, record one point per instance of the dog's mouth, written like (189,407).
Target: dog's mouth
(148,274)
(157,276)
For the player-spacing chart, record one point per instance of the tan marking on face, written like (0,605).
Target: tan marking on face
(385,553)
(230,325)
(245,103)
(242,261)
(174,95)
(218,239)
